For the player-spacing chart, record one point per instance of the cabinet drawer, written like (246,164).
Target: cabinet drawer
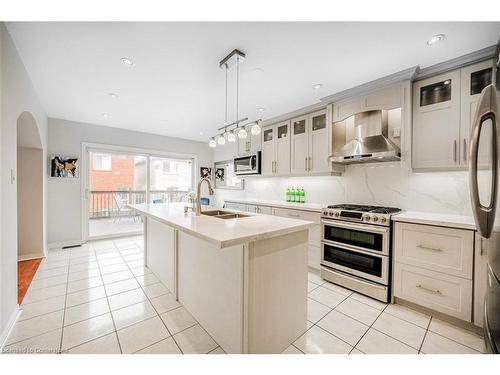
(235,206)
(447,294)
(446,250)
(298,214)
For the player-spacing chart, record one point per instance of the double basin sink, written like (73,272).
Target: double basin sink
(224,214)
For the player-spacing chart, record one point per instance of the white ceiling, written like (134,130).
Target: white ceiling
(176,87)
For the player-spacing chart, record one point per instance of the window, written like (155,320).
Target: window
(169,167)
(101,162)
(170,179)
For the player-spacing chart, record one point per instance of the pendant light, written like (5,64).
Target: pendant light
(221,140)
(212,143)
(255,129)
(242,134)
(231,137)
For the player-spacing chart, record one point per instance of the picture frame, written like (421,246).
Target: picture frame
(63,166)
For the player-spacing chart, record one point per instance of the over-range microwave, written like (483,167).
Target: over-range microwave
(248,165)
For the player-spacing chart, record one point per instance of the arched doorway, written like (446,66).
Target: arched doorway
(30,236)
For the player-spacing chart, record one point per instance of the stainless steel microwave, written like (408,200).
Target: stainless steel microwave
(248,165)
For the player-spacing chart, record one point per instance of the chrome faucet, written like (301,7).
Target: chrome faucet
(198,194)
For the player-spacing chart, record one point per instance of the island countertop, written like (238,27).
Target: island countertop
(221,232)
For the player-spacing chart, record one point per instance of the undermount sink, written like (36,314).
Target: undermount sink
(224,214)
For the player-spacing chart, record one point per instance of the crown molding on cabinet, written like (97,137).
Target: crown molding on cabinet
(403,75)
(456,63)
(299,112)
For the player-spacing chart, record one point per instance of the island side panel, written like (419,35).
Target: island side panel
(277,292)
(160,252)
(210,283)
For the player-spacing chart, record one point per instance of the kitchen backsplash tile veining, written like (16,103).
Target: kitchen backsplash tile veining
(378,184)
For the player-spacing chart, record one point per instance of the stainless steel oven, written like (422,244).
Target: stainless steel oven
(248,165)
(357,249)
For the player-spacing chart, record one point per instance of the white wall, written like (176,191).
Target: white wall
(65,138)
(30,178)
(17,96)
(378,184)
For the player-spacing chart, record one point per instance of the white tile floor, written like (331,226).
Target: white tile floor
(98,298)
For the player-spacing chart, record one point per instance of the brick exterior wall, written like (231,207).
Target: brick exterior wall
(121,175)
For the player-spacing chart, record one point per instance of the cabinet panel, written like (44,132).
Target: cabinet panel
(314,257)
(387,98)
(299,145)
(268,152)
(480,279)
(474,78)
(282,149)
(436,122)
(318,143)
(347,108)
(447,294)
(445,250)
(235,206)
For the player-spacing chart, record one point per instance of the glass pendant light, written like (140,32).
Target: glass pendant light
(212,143)
(242,134)
(231,137)
(255,129)
(221,140)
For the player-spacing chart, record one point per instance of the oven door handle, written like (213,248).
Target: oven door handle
(378,254)
(367,227)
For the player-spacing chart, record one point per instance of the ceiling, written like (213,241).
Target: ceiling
(176,87)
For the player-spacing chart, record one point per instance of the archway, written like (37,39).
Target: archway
(30,236)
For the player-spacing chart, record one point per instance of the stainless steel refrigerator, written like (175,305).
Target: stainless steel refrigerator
(484,180)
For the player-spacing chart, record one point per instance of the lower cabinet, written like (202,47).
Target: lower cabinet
(433,267)
(314,253)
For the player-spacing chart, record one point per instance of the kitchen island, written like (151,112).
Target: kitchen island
(243,278)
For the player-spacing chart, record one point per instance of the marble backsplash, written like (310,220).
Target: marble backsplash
(378,184)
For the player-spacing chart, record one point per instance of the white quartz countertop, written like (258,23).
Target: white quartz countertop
(222,232)
(443,220)
(265,202)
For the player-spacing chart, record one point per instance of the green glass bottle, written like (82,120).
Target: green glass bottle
(292,195)
(302,195)
(288,194)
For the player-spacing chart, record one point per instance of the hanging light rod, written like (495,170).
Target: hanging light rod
(232,59)
(237,123)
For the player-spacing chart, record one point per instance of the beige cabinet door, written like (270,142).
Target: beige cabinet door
(474,79)
(255,142)
(300,145)
(282,149)
(386,98)
(268,150)
(480,279)
(436,122)
(318,161)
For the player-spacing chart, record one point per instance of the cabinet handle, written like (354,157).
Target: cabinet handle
(310,163)
(430,248)
(294,215)
(305,164)
(433,291)
(275,167)
(465,149)
(455,151)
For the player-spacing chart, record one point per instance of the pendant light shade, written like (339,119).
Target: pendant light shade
(255,129)
(212,143)
(242,134)
(231,137)
(221,140)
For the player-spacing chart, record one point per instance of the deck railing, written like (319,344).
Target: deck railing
(113,203)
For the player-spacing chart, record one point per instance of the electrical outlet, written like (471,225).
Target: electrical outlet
(12,176)
(396,132)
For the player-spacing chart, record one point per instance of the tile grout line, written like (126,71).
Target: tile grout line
(425,335)
(64,310)
(107,300)
(370,326)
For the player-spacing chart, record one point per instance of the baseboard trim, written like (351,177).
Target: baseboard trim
(58,245)
(30,256)
(10,325)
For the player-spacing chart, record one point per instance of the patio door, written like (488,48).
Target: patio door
(115,179)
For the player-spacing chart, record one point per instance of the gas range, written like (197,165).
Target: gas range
(367,214)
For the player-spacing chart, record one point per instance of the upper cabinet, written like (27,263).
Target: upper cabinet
(384,98)
(250,144)
(310,144)
(276,149)
(443,111)
(436,119)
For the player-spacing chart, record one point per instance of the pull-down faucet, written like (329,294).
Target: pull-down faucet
(198,194)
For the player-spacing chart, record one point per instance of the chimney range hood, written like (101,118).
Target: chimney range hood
(371,143)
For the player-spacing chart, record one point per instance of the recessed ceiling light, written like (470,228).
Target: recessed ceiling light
(127,61)
(201,133)
(261,109)
(113,95)
(105,115)
(317,86)
(435,39)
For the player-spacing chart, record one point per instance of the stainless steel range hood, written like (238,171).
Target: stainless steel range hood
(371,142)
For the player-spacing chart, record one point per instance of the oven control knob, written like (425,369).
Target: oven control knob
(367,218)
(337,214)
(375,218)
(325,213)
(330,213)
(383,220)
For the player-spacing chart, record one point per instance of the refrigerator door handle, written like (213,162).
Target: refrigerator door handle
(486,110)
